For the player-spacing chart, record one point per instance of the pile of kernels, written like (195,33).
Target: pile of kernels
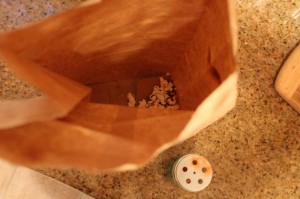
(162,97)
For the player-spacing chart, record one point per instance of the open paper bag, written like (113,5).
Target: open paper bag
(105,50)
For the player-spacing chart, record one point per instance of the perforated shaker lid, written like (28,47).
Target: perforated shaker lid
(192,172)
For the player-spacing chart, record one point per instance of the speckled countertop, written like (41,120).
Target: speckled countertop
(254,150)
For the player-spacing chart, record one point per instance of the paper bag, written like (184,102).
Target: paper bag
(106,49)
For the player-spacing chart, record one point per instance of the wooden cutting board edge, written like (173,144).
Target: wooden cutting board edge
(287,83)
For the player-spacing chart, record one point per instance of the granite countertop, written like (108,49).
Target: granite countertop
(254,149)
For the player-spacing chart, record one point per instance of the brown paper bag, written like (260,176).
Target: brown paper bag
(105,50)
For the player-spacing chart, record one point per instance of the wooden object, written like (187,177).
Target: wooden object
(19,182)
(288,80)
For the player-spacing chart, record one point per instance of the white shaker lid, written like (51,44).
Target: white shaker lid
(192,172)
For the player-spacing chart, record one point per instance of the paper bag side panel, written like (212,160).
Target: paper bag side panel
(148,127)
(65,144)
(59,144)
(215,106)
(110,41)
(61,94)
(208,59)
(16,113)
